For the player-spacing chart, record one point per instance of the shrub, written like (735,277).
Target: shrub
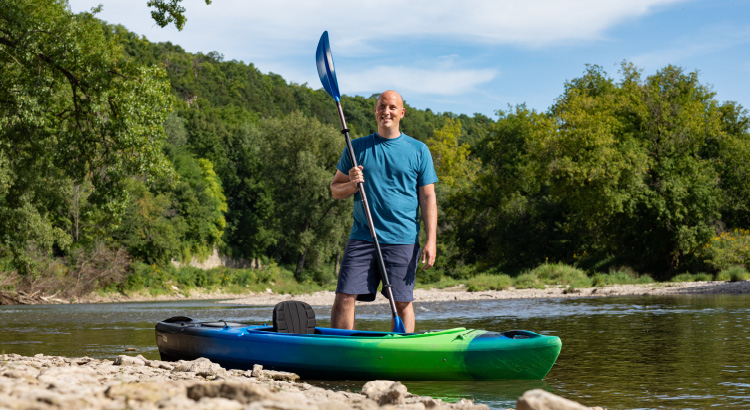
(733,274)
(432,275)
(726,250)
(693,277)
(527,280)
(561,274)
(488,281)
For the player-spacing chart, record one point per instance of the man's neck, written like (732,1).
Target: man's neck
(389,133)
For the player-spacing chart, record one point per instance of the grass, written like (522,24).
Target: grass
(693,277)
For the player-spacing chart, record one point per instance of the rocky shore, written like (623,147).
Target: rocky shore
(59,383)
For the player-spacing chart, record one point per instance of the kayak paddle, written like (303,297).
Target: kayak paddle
(328,77)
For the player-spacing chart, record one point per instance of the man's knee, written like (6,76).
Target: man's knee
(344,301)
(401,306)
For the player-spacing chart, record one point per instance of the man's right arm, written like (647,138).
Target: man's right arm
(343,186)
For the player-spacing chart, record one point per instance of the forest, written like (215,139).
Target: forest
(119,156)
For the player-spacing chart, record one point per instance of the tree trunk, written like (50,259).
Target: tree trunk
(336,263)
(300,265)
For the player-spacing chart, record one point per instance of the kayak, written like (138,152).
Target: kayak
(336,354)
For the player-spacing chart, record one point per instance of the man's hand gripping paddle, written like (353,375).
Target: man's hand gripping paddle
(328,77)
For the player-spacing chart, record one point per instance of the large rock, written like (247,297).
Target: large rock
(124,360)
(201,367)
(385,392)
(69,379)
(539,399)
(151,393)
(242,392)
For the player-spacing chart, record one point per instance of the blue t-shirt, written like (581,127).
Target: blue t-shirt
(394,169)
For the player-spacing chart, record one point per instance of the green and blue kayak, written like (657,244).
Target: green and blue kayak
(336,354)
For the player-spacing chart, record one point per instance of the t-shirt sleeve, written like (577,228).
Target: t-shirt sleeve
(345,163)
(427,173)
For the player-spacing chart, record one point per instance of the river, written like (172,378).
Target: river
(648,352)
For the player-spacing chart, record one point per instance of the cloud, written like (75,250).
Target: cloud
(439,81)
(288,25)
(709,40)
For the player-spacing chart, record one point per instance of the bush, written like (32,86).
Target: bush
(620,277)
(562,275)
(432,275)
(726,250)
(487,281)
(693,277)
(733,274)
(527,280)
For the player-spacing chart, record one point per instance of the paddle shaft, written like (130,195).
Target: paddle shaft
(366,205)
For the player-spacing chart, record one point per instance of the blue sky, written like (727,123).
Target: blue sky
(470,56)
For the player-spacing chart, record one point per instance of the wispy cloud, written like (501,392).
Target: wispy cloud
(359,25)
(706,41)
(439,81)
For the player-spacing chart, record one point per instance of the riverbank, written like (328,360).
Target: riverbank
(55,383)
(455,293)
(459,293)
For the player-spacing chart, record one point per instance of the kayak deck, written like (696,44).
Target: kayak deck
(337,354)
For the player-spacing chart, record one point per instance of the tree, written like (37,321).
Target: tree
(301,156)
(74,109)
(169,11)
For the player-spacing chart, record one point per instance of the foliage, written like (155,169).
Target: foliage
(488,282)
(620,277)
(74,111)
(733,274)
(693,277)
(453,164)
(726,250)
(301,154)
(169,11)
(561,275)
(630,172)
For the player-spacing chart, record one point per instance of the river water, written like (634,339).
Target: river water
(647,352)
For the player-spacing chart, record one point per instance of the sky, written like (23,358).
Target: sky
(466,57)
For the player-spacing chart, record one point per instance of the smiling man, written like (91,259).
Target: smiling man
(399,179)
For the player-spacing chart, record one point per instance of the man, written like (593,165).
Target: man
(399,178)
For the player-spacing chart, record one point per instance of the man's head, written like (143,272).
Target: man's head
(389,109)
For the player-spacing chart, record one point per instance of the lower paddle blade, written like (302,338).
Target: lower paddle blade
(398,325)
(326,71)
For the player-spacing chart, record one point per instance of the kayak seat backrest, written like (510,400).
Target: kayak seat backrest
(293,316)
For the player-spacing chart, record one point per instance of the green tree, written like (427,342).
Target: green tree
(169,11)
(73,109)
(301,156)
(200,203)
(150,230)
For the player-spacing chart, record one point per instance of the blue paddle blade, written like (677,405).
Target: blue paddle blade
(398,325)
(326,72)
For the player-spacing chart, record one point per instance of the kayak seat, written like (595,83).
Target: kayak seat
(293,316)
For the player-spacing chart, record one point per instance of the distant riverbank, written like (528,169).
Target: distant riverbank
(459,293)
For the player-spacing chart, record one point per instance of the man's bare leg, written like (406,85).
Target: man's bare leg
(406,313)
(342,311)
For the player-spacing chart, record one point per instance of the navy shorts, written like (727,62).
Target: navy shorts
(359,274)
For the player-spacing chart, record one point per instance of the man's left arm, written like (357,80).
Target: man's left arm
(428,203)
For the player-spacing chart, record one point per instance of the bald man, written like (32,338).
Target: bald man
(399,178)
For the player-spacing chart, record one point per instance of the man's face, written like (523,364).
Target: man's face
(389,110)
